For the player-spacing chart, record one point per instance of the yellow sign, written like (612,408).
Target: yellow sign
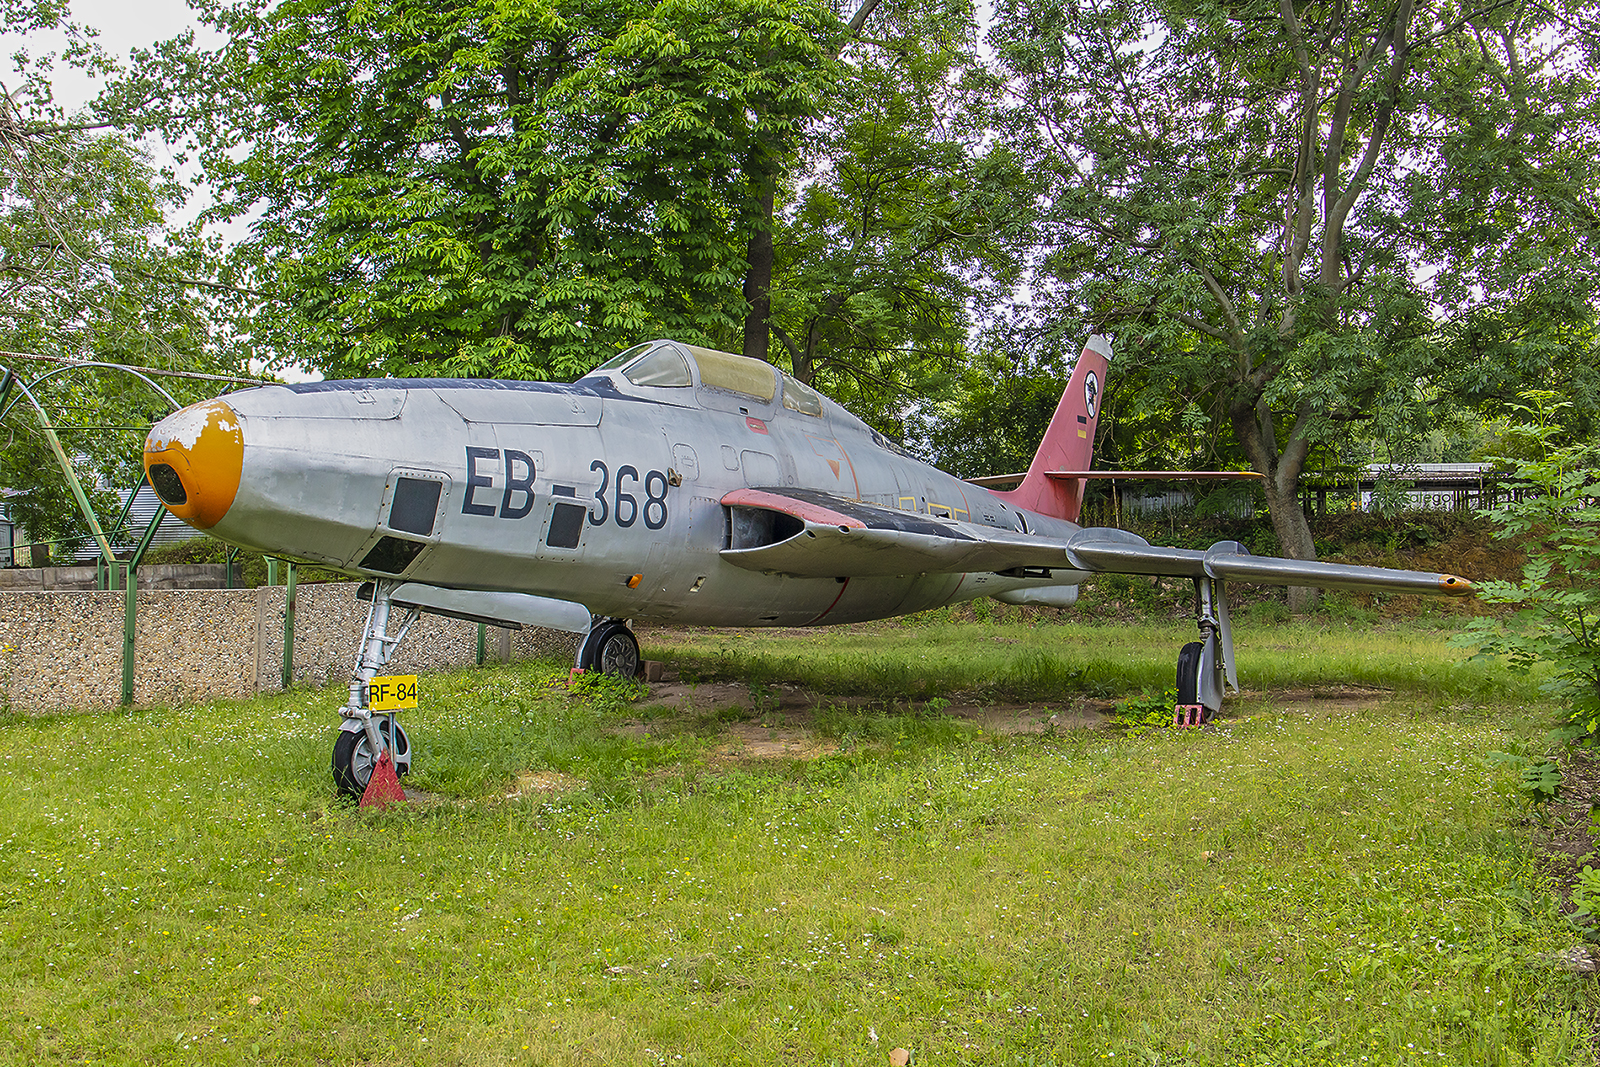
(388,694)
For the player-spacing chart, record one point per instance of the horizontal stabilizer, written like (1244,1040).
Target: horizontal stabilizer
(1171,476)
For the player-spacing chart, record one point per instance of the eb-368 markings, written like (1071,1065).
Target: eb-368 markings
(615,501)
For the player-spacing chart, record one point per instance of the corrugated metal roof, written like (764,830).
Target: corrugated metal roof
(145,506)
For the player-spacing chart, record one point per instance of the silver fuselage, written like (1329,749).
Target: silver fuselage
(331,475)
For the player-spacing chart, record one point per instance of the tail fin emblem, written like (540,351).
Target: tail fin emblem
(1091,392)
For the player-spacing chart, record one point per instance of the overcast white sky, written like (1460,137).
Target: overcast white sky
(123,25)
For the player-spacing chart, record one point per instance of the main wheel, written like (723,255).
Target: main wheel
(1189,673)
(617,652)
(353,758)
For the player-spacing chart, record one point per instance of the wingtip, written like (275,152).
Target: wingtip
(1455,585)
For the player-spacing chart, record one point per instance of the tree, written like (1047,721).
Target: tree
(1279,199)
(902,222)
(483,189)
(89,269)
(1556,616)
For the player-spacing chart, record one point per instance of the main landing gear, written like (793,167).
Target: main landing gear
(1205,667)
(610,648)
(365,735)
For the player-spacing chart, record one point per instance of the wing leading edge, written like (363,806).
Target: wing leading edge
(808,534)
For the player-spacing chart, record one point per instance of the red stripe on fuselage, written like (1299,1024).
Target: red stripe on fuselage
(842,587)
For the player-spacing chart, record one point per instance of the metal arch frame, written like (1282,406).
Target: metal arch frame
(8,379)
(168,397)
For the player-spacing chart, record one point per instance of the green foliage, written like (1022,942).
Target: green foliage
(483,189)
(1538,780)
(1147,711)
(1556,616)
(249,568)
(607,693)
(1541,783)
(994,416)
(1586,897)
(906,217)
(91,270)
(1225,195)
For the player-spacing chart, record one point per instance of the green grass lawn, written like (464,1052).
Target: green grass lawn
(1309,882)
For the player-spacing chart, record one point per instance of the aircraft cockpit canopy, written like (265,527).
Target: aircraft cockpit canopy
(663,368)
(672,365)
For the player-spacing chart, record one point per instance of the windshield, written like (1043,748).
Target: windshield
(620,358)
(663,367)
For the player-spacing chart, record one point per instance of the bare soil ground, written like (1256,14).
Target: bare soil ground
(779,719)
(1568,837)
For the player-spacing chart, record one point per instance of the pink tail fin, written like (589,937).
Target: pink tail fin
(1068,444)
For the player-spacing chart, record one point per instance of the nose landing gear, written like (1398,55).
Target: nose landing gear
(354,759)
(363,736)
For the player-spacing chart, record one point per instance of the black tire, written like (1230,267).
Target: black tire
(617,652)
(353,761)
(1189,673)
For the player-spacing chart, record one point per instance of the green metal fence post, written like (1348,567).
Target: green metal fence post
(272,571)
(482,630)
(130,608)
(149,535)
(288,630)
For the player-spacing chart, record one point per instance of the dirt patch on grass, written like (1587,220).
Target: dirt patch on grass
(1567,837)
(780,721)
(746,741)
(1321,700)
(543,784)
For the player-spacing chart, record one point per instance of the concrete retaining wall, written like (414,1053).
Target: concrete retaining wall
(151,576)
(63,650)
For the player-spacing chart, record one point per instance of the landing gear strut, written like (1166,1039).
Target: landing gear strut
(364,735)
(1205,667)
(610,648)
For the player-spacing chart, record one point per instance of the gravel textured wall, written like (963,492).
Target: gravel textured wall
(64,649)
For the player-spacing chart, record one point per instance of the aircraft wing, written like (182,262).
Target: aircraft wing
(809,534)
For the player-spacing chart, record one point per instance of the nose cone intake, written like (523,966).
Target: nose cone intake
(193,458)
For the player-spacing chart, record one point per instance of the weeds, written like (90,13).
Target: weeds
(1147,711)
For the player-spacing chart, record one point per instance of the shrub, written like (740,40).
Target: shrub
(1556,620)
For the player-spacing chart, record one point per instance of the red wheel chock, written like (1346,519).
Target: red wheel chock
(383,788)
(1190,715)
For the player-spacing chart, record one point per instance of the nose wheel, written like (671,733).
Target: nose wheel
(353,758)
(610,648)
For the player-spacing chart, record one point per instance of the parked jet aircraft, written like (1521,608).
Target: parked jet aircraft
(672,483)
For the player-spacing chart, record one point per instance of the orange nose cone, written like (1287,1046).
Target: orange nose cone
(193,459)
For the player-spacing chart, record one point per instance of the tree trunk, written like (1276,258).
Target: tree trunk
(1254,429)
(758,275)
